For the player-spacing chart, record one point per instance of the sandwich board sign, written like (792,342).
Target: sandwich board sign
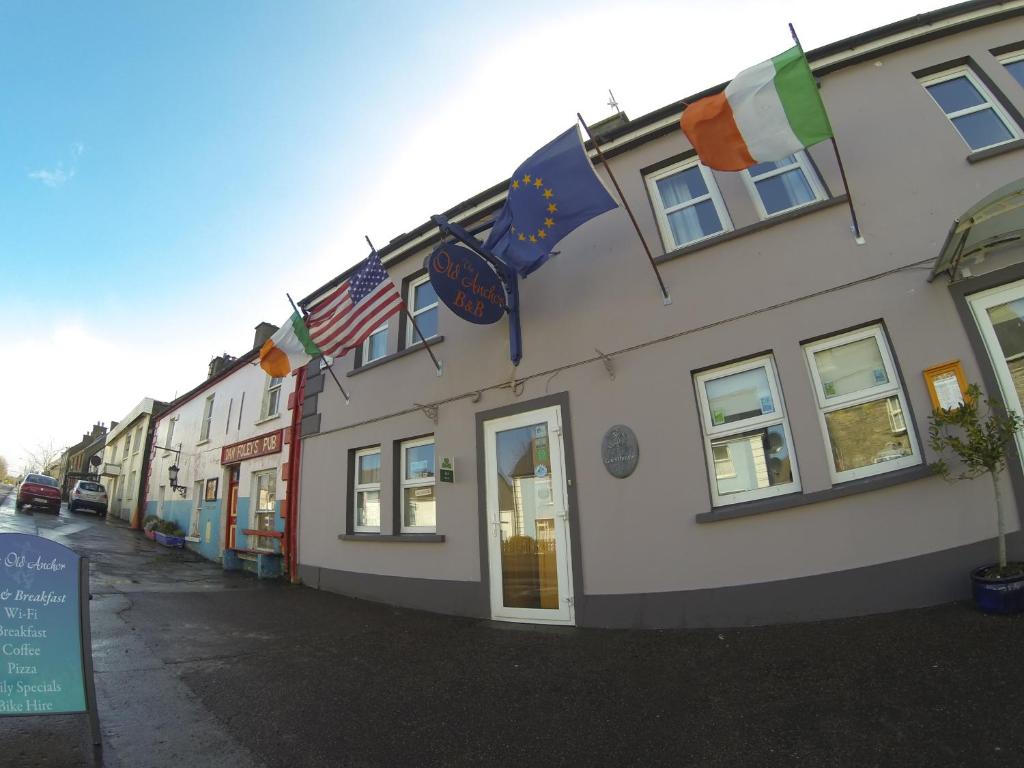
(45,643)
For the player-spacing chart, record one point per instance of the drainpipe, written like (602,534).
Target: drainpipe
(294,459)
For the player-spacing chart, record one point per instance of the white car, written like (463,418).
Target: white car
(88,495)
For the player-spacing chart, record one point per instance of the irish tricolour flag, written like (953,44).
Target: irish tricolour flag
(288,349)
(767,113)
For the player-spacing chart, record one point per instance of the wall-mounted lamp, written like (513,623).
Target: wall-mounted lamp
(172,471)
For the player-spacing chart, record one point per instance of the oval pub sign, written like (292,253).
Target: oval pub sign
(620,451)
(466,284)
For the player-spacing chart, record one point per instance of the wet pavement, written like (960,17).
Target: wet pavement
(199,668)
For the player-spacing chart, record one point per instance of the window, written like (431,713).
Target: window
(197,508)
(138,439)
(423,308)
(861,405)
(746,433)
(367,491)
(132,485)
(419,507)
(170,433)
(272,397)
(687,204)
(204,433)
(127,445)
(376,345)
(982,122)
(783,185)
(1014,63)
(263,511)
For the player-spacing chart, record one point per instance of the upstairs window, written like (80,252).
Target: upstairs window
(746,433)
(783,185)
(366,517)
(1014,63)
(376,345)
(980,120)
(861,405)
(687,204)
(204,432)
(422,304)
(272,397)
(127,445)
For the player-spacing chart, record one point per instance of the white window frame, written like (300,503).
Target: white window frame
(416,483)
(893,387)
(204,429)
(138,439)
(801,161)
(1011,58)
(170,434)
(197,508)
(127,445)
(358,488)
(990,102)
(383,328)
(411,337)
(714,431)
(262,543)
(661,212)
(269,388)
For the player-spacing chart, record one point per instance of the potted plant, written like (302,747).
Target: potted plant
(980,437)
(169,534)
(149,526)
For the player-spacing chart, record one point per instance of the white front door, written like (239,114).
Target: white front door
(527,519)
(999,313)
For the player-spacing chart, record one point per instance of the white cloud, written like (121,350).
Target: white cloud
(59,176)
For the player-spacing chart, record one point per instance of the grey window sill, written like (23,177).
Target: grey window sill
(1002,149)
(266,419)
(433,341)
(838,491)
(711,242)
(418,538)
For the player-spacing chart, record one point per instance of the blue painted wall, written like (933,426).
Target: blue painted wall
(180,511)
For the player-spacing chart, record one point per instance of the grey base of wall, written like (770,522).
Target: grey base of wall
(917,582)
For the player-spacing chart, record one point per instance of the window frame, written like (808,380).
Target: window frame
(138,440)
(411,337)
(802,162)
(268,389)
(365,356)
(358,488)
(170,435)
(206,424)
(262,543)
(878,392)
(404,483)
(990,102)
(711,431)
(714,194)
(127,445)
(1012,57)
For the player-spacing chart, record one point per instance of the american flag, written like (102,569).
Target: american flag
(355,309)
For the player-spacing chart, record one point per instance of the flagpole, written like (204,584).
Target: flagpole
(412,320)
(666,299)
(857,236)
(322,358)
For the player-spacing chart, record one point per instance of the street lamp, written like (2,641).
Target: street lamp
(172,471)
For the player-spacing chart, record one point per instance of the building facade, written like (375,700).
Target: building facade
(125,460)
(229,440)
(754,452)
(81,460)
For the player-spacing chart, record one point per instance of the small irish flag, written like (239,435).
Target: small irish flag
(288,349)
(767,113)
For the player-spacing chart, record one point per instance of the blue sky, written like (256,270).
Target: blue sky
(169,170)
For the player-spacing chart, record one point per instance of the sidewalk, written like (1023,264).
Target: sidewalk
(213,669)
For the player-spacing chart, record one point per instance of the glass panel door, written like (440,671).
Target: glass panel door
(1000,317)
(528,540)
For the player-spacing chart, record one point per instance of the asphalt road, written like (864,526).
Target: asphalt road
(199,668)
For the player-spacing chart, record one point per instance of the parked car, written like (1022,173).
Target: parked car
(38,491)
(88,495)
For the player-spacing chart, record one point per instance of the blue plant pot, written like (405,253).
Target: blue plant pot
(170,541)
(995,595)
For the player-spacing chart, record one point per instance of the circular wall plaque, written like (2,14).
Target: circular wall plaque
(620,451)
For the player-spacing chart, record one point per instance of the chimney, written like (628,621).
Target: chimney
(263,332)
(113,425)
(218,364)
(602,128)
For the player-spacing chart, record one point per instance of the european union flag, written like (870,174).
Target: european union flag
(551,194)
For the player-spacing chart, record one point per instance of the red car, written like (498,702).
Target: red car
(38,491)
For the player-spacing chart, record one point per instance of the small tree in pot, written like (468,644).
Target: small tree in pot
(980,437)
